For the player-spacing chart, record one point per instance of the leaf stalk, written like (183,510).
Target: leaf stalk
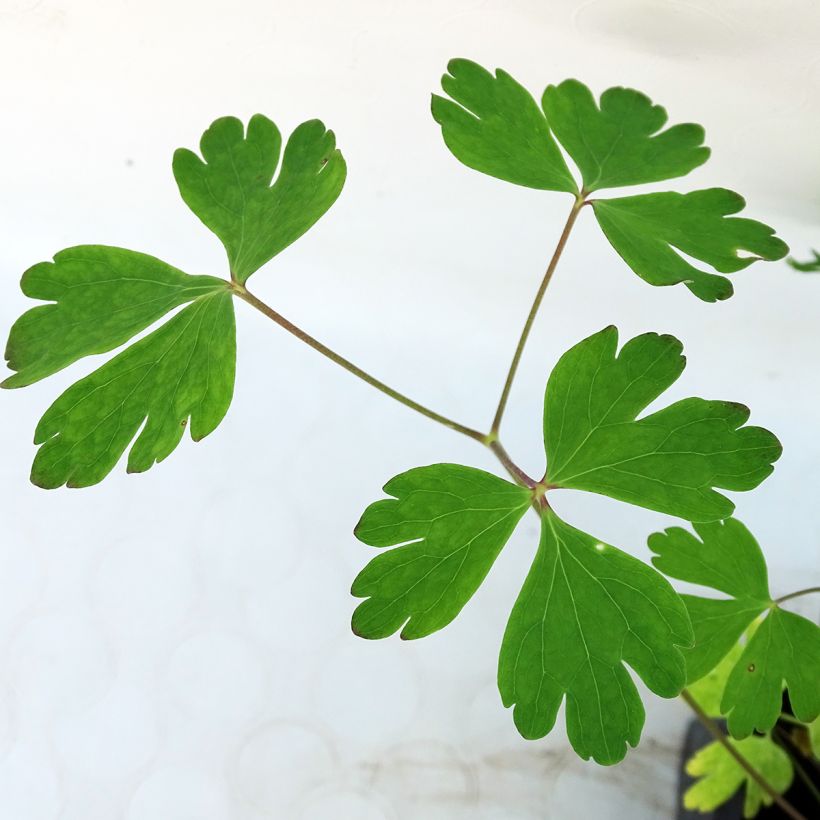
(806,591)
(491,439)
(580,201)
(243,293)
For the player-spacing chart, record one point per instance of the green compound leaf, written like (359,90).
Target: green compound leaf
(721,775)
(810,266)
(671,460)
(585,610)
(453,522)
(101,297)
(784,647)
(493,125)
(183,370)
(617,143)
(231,191)
(648,230)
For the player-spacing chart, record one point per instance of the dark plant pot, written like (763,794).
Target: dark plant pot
(798,794)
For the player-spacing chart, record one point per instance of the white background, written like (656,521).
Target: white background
(175,646)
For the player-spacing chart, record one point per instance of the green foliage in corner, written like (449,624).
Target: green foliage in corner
(720,775)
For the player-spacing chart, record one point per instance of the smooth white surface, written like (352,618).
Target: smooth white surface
(176,645)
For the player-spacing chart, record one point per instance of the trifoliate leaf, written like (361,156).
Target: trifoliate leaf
(586,610)
(231,191)
(784,648)
(493,124)
(183,370)
(100,297)
(810,266)
(617,143)
(648,230)
(671,460)
(721,775)
(453,522)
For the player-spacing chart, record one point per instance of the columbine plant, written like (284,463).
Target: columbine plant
(587,610)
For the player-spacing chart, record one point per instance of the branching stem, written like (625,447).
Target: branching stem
(490,439)
(724,741)
(525,333)
(512,468)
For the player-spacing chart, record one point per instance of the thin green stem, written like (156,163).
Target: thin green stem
(243,293)
(806,591)
(525,333)
(724,741)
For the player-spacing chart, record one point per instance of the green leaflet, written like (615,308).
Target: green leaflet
(721,776)
(184,369)
(493,124)
(453,522)
(617,143)
(585,610)
(231,191)
(101,297)
(784,647)
(671,460)
(809,266)
(648,230)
